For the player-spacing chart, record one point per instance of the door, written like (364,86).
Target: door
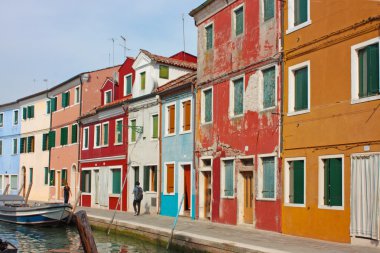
(96,197)
(187,188)
(248,197)
(73,180)
(207,194)
(59,184)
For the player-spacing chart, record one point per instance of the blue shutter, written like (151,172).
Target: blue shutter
(129,84)
(208,105)
(268,9)
(238,96)
(269,87)
(300,11)
(229,178)
(269,177)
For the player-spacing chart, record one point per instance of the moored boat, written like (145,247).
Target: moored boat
(7,247)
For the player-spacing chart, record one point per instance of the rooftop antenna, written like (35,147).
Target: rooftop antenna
(46,82)
(183,32)
(113,51)
(124,46)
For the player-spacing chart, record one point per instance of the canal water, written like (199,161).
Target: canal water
(66,239)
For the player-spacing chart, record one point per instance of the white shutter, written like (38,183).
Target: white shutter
(103,186)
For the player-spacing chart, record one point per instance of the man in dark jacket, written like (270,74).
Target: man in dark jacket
(138,196)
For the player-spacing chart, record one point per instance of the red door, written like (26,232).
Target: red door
(187,189)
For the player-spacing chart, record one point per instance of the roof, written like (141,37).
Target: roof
(170,61)
(115,103)
(200,7)
(181,81)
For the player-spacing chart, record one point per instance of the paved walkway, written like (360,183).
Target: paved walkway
(232,238)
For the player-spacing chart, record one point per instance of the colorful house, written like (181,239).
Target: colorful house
(34,146)
(331,120)
(10,126)
(177,146)
(238,111)
(152,71)
(103,159)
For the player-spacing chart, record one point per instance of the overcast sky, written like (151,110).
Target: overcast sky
(57,39)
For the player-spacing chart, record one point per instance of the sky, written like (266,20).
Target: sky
(45,42)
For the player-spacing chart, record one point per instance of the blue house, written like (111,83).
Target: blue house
(177,145)
(10,126)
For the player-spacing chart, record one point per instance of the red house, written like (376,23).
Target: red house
(104,145)
(238,112)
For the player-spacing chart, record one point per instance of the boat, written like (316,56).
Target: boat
(14,210)
(7,247)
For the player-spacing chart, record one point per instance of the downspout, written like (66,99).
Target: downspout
(159,156)
(79,136)
(193,92)
(50,129)
(282,76)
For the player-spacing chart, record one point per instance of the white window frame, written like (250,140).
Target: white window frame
(203,106)
(77,95)
(13,139)
(105,96)
(10,182)
(223,175)
(261,89)
(100,135)
(291,88)
(321,181)
(91,180)
(150,177)
(182,114)
(130,131)
(291,27)
(287,182)
(116,142)
(2,123)
(125,84)
(152,129)
(13,117)
(166,176)
(232,97)
(167,119)
(213,36)
(355,71)
(233,16)
(260,176)
(84,147)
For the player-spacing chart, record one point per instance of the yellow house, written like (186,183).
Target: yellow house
(331,120)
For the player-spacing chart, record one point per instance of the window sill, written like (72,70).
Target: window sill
(169,135)
(262,110)
(206,123)
(153,192)
(132,142)
(294,205)
(294,113)
(114,195)
(232,117)
(298,27)
(86,193)
(118,144)
(154,140)
(266,199)
(185,132)
(85,148)
(169,194)
(365,99)
(97,147)
(337,208)
(227,197)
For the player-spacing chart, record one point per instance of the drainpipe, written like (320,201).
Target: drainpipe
(50,129)
(282,75)
(159,167)
(79,135)
(193,93)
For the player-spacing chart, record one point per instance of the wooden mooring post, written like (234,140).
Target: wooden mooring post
(85,232)
(74,207)
(27,194)
(6,189)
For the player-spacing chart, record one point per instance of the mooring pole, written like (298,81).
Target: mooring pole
(175,222)
(85,232)
(22,187)
(6,190)
(79,193)
(27,194)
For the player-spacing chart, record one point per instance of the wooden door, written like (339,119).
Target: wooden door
(59,184)
(248,197)
(187,188)
(207,194)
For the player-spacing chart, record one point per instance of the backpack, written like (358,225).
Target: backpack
(139,195)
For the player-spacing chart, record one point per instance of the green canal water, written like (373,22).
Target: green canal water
(66,239)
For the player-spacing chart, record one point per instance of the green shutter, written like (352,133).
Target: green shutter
(133,131)
(82,181)
(14,146)
(24,113)
(51,139)
(298,180)
(155,126)
(239,19)
(119,131)
(268,9)
(63,177)
(53,103)
(146,178)
(335,182)
(301,89)
(164,72)
(30,112)
(116,179)
(209,36)
(229,177)
(238,96)
(142,76)
(30,175)
(74,133)
(85,137)
(300,11)
(46,175)
(52,177)
(97,140)
(63,101)
(269,177)
(208,105)
(105,134)
(30,147)
(68,98)
(137,174)
(373,69)
(362,73)
(269,87)
(326,197)
(64,133)
(129,85)
(22,143)
(48,107)
(44,141)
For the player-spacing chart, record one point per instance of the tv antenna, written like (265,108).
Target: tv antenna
(183,32)
(113,51)
(124,46)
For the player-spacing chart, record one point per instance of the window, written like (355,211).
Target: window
(164,72)
(105,135)
(142,80)
(268,9)
(116,181)
(127,84)
(136,173)
(53,103)
(298,14)
(28,112)
(238,21)
(170,119)
(85,137)
(365,82)
(295,182)
(150,178)
(267,178)
(331,181)
(1,119)
(46,176)
(30,144)
(63,177)
(77,95)
(1,147)
(155,126)
(15,117)
(186,116)
(65,99)
(227,184)
(269,87)
(74,133)
(207,106)
(97,136)
(169,178)
(86,181)
(14,146)
(45,141)
(14,182)
(48,107)
(299,89)
(133,130)
(52,178)
(119,131)
(108,97)
(237,95)
(64,135)
(209,36)
(51,139)
(30,175)
(23,145)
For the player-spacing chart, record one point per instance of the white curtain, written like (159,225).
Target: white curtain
(103,186)
(365,191)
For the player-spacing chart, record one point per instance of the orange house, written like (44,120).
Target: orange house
(331,120)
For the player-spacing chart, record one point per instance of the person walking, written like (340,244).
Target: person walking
(138,196)
(66,193)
